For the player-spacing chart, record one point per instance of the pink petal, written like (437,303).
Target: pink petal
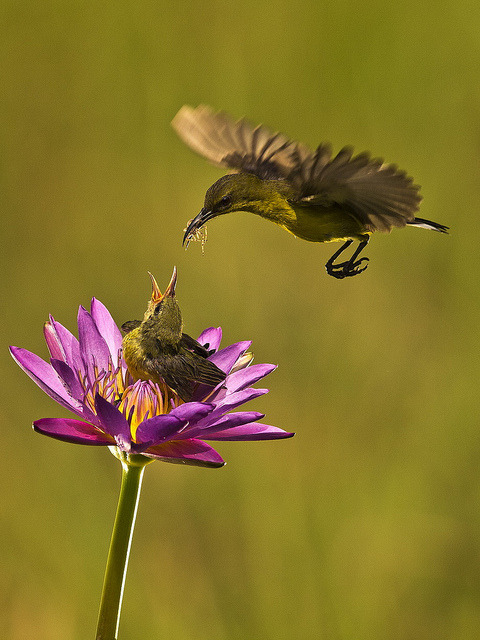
(69,379)
(192,410)
(93,347)
(226,358)
(45,377)
(246,377)
(235,399)
(160,428)
(155,430)
(251,431)
(107,328)
(73,431)
(53,342)
(113,422)
(211,337)
(66,344)
(231,420)
(191,452)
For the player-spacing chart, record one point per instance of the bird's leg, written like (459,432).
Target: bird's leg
(350,267)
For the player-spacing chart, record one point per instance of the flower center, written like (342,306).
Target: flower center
(146,399)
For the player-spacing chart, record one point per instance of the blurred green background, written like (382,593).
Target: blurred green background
(365,526)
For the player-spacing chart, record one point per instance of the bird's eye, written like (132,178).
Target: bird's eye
(225,201)
(156,311)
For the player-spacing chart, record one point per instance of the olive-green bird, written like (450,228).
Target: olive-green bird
(311,194)
(156,349)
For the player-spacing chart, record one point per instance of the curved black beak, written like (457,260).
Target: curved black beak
(197,223)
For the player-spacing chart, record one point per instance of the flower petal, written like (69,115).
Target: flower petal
(226,358)
(61,343)
(113,422)
(246,377)
(192,411)
(69,379)
(73,431)
(160,428)
(107,328)
(211,338)
(156,430)
(235,399)
(93,348)
(53,341)
(250,431)
(190,452)
(45,376)
(231,420)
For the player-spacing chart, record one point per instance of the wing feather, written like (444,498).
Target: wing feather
(234,144)
(379,195)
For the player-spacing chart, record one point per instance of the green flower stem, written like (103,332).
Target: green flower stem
(116,570)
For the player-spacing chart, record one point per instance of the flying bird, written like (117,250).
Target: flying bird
(156,349)
(312,194)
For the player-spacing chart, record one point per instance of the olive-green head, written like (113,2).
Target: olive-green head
(162,320)
(237,192)
(163,313)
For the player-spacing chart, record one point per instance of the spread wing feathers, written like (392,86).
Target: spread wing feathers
(236,144)
(379,195)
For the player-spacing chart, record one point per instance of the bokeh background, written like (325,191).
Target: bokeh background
(365,526)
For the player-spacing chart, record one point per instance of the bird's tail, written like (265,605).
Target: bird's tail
(428,224)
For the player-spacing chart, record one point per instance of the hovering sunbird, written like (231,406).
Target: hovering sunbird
(311,194)
(156,349)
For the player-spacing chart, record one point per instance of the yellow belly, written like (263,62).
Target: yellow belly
(323,225)
(134,357)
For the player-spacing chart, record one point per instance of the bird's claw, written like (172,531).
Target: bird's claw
(346,269)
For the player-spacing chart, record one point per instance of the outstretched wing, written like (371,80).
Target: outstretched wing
(379,195)
(236,144)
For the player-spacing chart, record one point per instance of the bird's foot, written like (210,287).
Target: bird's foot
(345,269)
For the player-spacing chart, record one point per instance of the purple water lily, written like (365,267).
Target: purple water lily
(89,377)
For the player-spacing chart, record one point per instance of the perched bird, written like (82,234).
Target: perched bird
(156,349)
(311,194)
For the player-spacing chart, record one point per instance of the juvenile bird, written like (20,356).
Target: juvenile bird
(311,194)
(156,349)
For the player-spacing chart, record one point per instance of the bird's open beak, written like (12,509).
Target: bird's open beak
(197,223)
(170,290)
(157,295)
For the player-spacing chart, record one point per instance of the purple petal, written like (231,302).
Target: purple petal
(107,328)
(113,422)
(251,431)
(191,452)
(223,423)
(156,430)
(159,428)
(93,347)
(74,388)
(45,376)
(246,377)
(226,358)
(192,411)
(211,338)
(61,341)
(74,431)
(70,380)
(235,399)
(53,341)
(231,420)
